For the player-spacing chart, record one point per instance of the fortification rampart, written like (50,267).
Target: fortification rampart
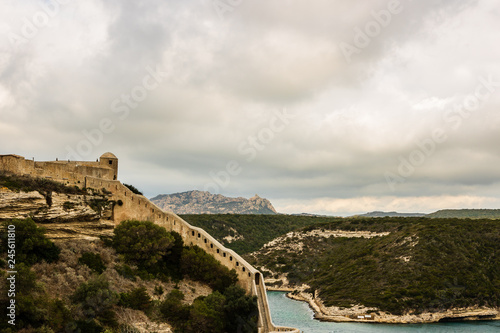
(71,173)
(131,206)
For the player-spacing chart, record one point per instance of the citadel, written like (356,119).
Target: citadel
(103,174)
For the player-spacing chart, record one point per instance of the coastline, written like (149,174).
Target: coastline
(363,314)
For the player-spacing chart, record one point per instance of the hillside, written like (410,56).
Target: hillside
(248,233)
(466,213)
(390,214)
(143,279)
(78,272)
(399,269)
(202,202)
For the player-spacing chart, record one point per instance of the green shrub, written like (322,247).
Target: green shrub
(95,300)
(207,314)
(93,261)
(68,205)
(201,266)
(158,290)
(89,326)
(32,246)
(137,299)
(42,185)
(142,243)
(133,189)
(173,311)
(98,204)
(126,271)
(241,311)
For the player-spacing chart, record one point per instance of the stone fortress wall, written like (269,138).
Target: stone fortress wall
(103,173)
(67,172)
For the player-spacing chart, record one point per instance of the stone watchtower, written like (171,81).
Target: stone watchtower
(109,160)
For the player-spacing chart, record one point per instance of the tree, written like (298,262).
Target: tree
(174,312)
(31,244)
(201,266)
(137,299)
(143,243)
(241,310)
(95,299)
(93,261)
(207,314)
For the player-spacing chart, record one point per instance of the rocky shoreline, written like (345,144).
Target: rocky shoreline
(372,315)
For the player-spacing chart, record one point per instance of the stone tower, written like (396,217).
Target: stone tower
(111,161)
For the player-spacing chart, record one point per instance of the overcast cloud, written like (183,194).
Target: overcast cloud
(331,107)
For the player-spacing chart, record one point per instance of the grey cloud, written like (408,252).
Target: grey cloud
(228,77)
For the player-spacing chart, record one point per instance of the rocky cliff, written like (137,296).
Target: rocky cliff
(202,202)
(63,215)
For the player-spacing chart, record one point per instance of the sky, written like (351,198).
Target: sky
(327,107)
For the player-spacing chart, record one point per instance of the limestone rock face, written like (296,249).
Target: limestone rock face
(63,215)
(203,202)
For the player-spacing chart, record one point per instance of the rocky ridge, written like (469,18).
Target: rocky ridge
(62,215)
(203,202)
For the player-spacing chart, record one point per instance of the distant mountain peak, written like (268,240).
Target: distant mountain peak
(204,202)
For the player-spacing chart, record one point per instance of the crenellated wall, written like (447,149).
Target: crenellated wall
(131,206)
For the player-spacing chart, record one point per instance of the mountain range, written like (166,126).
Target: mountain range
(203,202)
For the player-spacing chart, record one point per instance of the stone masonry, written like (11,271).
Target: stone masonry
(103,174)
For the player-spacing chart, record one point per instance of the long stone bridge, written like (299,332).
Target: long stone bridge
(102,174)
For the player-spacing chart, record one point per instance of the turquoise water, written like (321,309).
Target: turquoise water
(288,312)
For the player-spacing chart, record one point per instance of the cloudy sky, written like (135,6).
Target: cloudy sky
(330,107)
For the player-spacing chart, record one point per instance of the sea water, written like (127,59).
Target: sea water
(291,313)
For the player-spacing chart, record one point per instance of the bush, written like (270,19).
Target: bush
(158,290)
(58,315)
(68,205)
(173,311)
(89,326)
(93,261)
(31,244)
(133,189)
(201,266)
(142,243)
(94,300)
(241,311)
(42,185)
(137,299)
(207,314)
(126,271)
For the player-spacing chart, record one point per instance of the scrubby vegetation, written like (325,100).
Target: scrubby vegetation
(133,189)
(231,311)
(422,265)
(147,276)
(466,213)
(26,184)
(254,230)
(93,261)
(31,245)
